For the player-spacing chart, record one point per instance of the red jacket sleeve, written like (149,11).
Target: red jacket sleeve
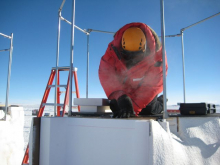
(111,81)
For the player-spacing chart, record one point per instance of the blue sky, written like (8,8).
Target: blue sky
(34,24)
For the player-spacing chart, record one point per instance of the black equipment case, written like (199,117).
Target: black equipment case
(197,108)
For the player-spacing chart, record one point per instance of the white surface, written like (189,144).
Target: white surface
(178,149)
(94,108)
(11,137)
(91,101)
(85,141)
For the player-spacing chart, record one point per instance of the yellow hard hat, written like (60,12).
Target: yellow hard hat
(133,40)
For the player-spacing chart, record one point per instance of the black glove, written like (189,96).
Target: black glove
(115,108)
(125,105)
(122,108)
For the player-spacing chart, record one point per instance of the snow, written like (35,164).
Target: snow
(11,137)
(14,133)
(195,136)
(197,142)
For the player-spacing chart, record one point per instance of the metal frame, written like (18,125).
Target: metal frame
(73,26)
(100,31)
(71,59)
(183,62)
(165,114)
(88,31)
(9,69)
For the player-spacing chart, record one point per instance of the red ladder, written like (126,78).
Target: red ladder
(46,94)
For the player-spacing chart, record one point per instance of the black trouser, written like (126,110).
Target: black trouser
(154,107)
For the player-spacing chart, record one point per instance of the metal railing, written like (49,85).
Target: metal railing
(73,26)
(9,70)
(183,61)
(165,114)
(163,36)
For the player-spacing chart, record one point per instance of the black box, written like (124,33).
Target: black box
(197,108)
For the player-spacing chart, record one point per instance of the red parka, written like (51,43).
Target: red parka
(141,82)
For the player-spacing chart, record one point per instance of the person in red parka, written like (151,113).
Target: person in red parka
(131,71)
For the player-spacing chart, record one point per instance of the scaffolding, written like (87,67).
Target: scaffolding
(163,36)
(87,32)
(73,26)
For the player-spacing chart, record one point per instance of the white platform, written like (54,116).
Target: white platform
(91,101)
(94,108)
(95,141)
(92,104)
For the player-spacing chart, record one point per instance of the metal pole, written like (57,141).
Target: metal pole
(200,21)
(9,76)
(100,31)
(81,30)
(71,59)
(5,35)
(61,6)
(165,115)
(4,50)
(87,73)
(182,30)
(184,90)
(74,25)
(175,35)
(65,20)
(57,61)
